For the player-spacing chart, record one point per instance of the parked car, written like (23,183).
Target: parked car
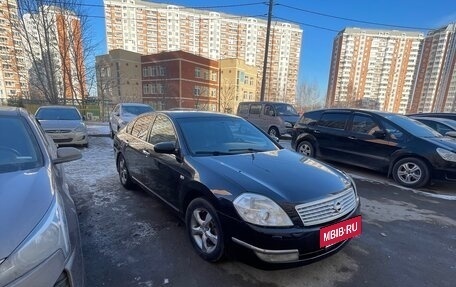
(395,144)
(450,116)
(39,243)
(277,119)
(64,124)
(123,113)
(233,185)
(443,126)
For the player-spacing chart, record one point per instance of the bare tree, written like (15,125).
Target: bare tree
(56,47)
(308,97)
(227,95)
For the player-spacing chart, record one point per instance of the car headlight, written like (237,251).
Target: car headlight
(49,236)
(446,154)
(260,210)
(288,125)
(80,129)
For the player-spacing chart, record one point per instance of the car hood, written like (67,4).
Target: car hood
(443,142)
(60,124)
(25,196)
(281,175)
(291,119)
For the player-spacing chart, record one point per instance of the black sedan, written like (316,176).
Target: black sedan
(395,144)
(235,187)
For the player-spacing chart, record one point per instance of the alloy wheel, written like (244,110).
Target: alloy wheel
(204,230)
(409,173)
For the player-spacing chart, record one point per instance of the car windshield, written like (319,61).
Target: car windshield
(19,149)
(221,136)
(136,110)
(414,127)
(68,114)
(285,110)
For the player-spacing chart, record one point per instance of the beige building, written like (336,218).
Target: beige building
(118,78)
(435,88)
(13,80)
(373,69)
(238,83)
(150,28)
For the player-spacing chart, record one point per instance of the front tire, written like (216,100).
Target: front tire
(124,174)
(274,132)
(411,172)
(205,230)
(306,148)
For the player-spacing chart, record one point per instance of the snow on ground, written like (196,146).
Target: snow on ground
(99,128)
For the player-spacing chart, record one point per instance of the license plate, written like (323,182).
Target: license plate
(332,234)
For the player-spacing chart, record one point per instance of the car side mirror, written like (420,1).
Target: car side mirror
(165,147)
(379,134)
(451,134)
(66,154)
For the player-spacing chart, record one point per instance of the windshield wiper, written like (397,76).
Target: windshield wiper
(247,150)
(212,152)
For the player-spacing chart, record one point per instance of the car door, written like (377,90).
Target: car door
(331,135)
(135,146)
(369,144)
(255,116)
(163,171)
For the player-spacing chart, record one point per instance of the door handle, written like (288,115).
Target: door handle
(316,131)
(146,153)
(352,138)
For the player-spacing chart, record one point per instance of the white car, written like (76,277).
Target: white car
(64,124)
(123,113)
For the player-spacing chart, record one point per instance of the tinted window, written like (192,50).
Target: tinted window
(162,131)
(394,133)
(255,109)
(414,127)
(243,109)
(19,149)
(333,120)
(58,114)
(364,124)
(310,118)
(141,126)
(268,110)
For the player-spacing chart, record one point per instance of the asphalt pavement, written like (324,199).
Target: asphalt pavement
(130,238)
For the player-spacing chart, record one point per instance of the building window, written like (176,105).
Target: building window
(197,91)
(197,72)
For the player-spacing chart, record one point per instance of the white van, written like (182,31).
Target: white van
(275,118)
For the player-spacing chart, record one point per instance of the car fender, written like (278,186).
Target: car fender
(399,154)
(308,137)
(193,189)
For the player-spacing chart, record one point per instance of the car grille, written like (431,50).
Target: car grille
(327,209)
(58,131)
(62,140)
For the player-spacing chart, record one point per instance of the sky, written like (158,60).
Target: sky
(318,30)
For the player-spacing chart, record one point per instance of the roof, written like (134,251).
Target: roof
(57,107)
(380,113)
(134,104)
(195,114)
(11,111)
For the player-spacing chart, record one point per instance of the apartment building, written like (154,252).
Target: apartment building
(118,76)
(178,79)
(238,83)
(373,68)
(435,88)
(150,28)
(13,78)
(58,32)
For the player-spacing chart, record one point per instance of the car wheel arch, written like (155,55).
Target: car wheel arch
(307,137)
(194,190)
(406,155)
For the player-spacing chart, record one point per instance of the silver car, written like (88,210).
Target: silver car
(123,113)
(39,231)
(64,124)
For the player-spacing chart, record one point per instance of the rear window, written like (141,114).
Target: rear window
(69,114)
(310,118)
(334,120)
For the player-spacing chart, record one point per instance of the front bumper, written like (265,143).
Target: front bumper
(72,138)
(282,245)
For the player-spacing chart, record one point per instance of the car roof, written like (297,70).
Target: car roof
(134,104)
(57,107)
(10,111)
(195,114)
(380,113)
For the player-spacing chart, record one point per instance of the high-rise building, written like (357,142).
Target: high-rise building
(435,88)
(13,80)
(373,69)
(53,41)
(150,28)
